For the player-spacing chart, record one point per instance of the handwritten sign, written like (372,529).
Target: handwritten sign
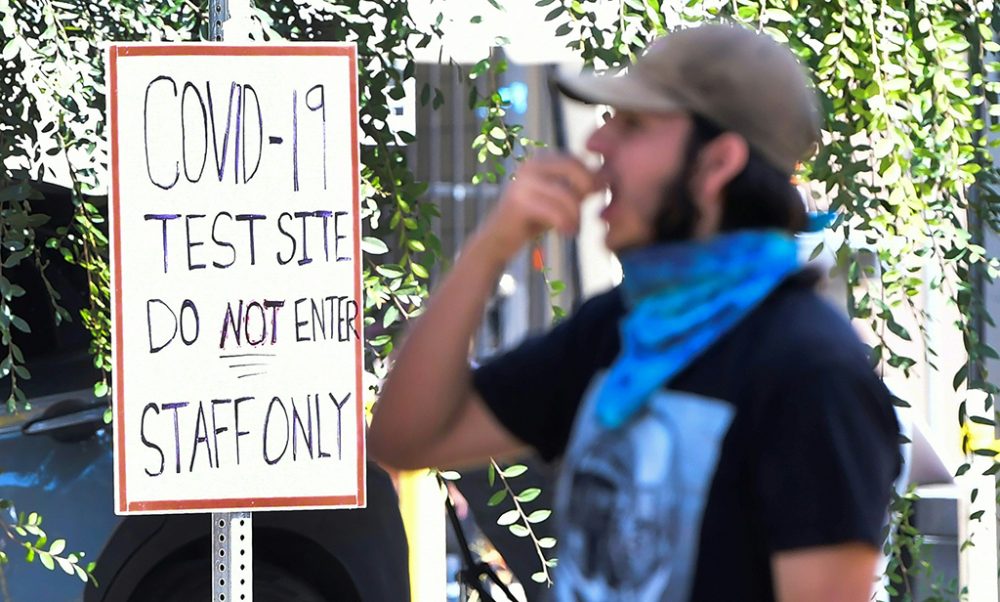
(235,235)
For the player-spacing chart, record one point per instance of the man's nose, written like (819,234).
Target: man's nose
(600,140)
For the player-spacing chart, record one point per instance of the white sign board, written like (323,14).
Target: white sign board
(236,261)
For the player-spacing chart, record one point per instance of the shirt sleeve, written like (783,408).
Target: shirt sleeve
(534,390)
(828,454)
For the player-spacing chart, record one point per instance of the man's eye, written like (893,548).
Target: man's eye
(630,122)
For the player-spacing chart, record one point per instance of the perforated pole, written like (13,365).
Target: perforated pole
(232,557)
(232,532)
(218,12)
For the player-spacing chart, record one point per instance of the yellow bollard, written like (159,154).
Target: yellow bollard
(421,504)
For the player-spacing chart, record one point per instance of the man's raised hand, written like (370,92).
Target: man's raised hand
(545,193)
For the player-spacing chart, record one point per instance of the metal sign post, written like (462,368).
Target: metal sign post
(218,13)
(232,532)
(232,557)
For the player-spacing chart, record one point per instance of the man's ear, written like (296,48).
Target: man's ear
(718,163)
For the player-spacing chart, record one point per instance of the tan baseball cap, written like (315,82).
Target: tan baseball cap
(742,81)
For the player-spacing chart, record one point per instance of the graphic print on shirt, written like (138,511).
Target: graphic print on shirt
(630,500)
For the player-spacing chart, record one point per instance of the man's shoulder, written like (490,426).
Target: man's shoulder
(593,326)
(796,323)
(811,361)
(607,305)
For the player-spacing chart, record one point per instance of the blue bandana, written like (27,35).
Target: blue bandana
(681,298)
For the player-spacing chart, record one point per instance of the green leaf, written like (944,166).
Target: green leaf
(450,475)
(539,577)
(497,497)
(508,518)
(57,547)
(381,340)
(390,271)
(10,49)
(519,530)
(960,377)
(390,317)
(547,542)
(777,15)
(816,251)
(419,270)
(100,389)
(898,330)
(833,38)
(539,515)
(479,68)
(20,324)
(65,565)
(46,560)
(850,55)
(373,246)
(529,495)
(777,34)
(514,470)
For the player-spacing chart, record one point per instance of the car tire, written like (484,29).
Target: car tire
(191,580)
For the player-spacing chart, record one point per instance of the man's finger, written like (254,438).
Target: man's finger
(569,170)
(559,205)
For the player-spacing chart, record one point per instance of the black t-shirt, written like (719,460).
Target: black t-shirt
(779,436)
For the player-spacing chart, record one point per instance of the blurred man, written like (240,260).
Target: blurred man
(721,434)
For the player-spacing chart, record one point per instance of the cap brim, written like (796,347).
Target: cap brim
(620,92)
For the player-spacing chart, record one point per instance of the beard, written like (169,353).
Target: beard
(678,213)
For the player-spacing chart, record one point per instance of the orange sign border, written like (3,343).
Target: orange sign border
(124,504)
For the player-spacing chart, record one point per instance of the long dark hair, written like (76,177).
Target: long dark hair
(760,196)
